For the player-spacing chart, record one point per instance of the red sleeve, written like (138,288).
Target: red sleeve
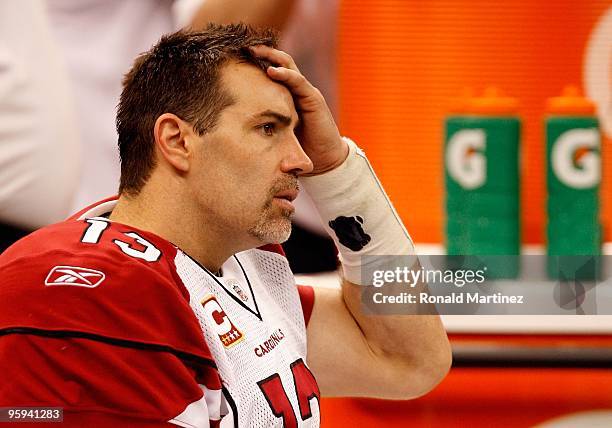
(307,300)
(97,384)
(123,343)
(129,300)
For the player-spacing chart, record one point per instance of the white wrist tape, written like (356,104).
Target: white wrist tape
(357,213)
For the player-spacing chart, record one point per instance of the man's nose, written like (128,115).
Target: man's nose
(296,161)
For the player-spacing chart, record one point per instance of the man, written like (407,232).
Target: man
(60,86)
(159,308)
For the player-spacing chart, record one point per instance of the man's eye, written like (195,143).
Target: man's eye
(268,129)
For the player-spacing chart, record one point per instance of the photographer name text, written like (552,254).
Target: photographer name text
(452,298)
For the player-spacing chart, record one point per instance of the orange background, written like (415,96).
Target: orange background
(482,398)
(501,397)
(401,62)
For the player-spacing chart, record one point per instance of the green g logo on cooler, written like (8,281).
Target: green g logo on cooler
(575,158)
(465,158)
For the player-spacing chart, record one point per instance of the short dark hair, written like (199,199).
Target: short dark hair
(179,75)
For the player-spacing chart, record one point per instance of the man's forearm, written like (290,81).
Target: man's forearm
(404,344)
(410,354)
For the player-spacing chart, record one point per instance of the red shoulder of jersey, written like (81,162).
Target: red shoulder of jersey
(100,280)
(307,298)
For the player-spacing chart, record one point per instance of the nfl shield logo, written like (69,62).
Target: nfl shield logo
(236,287)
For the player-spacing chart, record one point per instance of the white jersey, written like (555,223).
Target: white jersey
(254,327)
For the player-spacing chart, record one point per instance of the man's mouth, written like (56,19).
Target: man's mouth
(288,195)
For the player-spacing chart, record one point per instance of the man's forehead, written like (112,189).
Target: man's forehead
(252,89)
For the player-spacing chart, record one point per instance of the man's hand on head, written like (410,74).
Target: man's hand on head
(318,132)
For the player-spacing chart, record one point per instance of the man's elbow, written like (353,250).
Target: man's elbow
(433,372)
(417,379)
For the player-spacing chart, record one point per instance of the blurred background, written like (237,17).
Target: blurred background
(410,81)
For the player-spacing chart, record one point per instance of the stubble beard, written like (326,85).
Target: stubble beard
(273,225)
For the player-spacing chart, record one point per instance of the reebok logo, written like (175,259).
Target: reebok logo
(74,275)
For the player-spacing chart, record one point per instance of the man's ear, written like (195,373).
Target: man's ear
(171,139)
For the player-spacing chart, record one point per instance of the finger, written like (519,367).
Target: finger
(275,56)
(294,80)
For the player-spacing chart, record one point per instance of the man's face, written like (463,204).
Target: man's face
(245,170)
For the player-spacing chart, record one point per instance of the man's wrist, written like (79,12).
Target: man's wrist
(334,180)
(342,154)
(357,213)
